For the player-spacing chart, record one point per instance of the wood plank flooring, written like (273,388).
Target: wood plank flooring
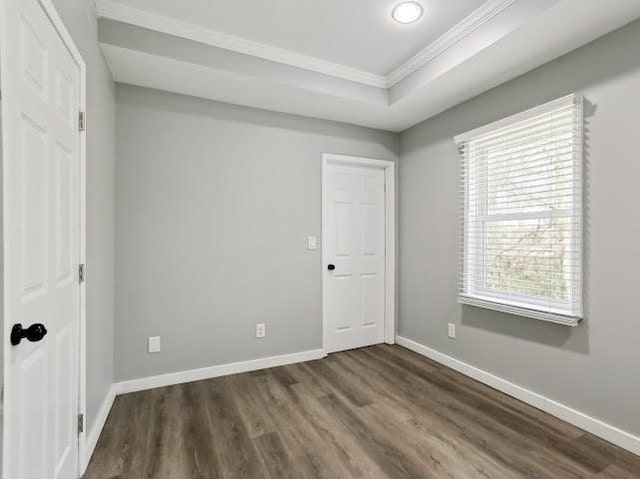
(378,412)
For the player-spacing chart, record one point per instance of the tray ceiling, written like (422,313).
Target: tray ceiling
(359,34)
(312,58)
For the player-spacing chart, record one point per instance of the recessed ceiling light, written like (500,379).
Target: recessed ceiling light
(407,12)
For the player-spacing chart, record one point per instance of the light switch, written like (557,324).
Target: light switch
(154,344)
(312,242)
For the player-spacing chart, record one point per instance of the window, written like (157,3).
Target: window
(522,213)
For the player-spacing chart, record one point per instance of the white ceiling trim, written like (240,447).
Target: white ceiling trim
(468,25)
(141,18)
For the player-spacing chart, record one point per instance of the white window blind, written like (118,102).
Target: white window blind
(522,213)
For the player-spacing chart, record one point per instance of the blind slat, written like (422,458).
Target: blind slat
(557,134)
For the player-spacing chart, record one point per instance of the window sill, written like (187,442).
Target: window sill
(519,311)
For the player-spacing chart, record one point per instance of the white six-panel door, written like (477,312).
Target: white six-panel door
(354,282)
(41,91)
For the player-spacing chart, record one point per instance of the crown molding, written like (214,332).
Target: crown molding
(112,10)
(468,25)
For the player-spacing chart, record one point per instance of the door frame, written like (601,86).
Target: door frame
(48,7)
(390,237)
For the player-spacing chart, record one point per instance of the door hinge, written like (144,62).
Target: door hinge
(82,121)
(80,423)
(81,273)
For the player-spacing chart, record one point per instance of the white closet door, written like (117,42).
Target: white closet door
(355,252)
(41,85)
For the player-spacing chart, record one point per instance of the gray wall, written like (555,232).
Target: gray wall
(1,267)
(594,367)
(213,206)
(1,299)
(79,17)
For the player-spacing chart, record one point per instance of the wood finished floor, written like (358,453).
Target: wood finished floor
(378,412)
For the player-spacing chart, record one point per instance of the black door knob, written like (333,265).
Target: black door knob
(331,267)
(33,333)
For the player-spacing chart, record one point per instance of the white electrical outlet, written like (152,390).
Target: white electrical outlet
(312,242)
(154,344)
(261,330)
(452,331)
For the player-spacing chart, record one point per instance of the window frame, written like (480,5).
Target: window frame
(473,251)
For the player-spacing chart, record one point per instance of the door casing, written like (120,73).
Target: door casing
(390,238)
(65,36)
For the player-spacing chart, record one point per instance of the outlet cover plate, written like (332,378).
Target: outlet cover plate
(154,344)
(452,330)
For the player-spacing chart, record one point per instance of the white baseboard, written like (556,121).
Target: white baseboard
(91,438)
(595,426)
(180,377)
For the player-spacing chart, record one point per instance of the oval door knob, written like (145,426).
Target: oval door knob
(33,333)
(331,267)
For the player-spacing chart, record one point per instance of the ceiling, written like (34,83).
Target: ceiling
(344,60)
(356,33)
